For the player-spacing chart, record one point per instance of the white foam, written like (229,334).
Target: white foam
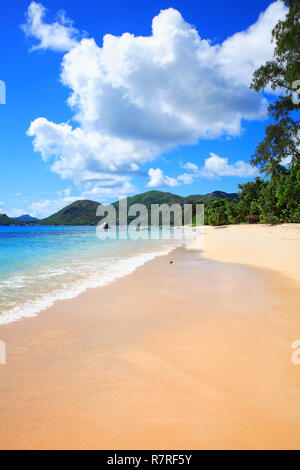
(115,271)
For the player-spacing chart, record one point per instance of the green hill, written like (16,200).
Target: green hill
(81,212)
(148,198)
(211,196)
(26,218)
(160,197)
(152,197)
(4,220)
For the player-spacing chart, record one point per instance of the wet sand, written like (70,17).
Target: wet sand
(194,354)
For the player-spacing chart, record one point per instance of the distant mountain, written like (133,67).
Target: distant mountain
(5,220)
(26,218)
(151,197)
(81,212)
(211,196)
(148,198)
(160,197)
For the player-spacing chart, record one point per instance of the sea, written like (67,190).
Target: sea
(40,265)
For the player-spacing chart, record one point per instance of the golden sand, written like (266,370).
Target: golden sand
(275,247)
(194,354)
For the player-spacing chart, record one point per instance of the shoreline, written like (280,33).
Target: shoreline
(276,248)
(33,308)
(193,354)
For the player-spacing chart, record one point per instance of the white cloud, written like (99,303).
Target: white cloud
(157,178)
(64,192)
(80,155)
(137,97)
(103,189)
(186,178)
(44,208)
(17,212)
(108,187)
(190,166)
(245,51)
(215,167)
(58,36)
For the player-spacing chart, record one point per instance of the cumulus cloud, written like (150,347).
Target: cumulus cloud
(17,212)
(245,51)
(215,167)
(137,97)
(157,178)
(44,208)
(58,36)
(190,166)
(81,155)
(186,178)
(103,189)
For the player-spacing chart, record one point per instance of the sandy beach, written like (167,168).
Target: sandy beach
(274,247)
(190,355)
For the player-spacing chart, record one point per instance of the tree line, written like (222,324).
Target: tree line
(274,198)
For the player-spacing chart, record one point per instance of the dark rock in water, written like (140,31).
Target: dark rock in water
(104,226)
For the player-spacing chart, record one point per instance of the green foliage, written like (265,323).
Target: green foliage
(267,200)
(215,213)
(222,212)
(288,195)
(235,212)
(160,197)
(249,195)
(282,139)
(280,143)
(83,212)
(205,198)
(4,220)
(77,213)
(273,201)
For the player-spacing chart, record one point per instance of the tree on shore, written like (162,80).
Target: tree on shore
(277,199)
(281,145)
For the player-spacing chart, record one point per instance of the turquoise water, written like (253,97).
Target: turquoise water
(39,265)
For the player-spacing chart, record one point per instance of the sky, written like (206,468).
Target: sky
(109,99)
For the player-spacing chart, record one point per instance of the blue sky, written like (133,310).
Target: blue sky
(166,109)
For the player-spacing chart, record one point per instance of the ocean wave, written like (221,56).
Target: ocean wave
(116,270)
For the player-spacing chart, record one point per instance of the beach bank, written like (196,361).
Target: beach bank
(274,247)
(194,354)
